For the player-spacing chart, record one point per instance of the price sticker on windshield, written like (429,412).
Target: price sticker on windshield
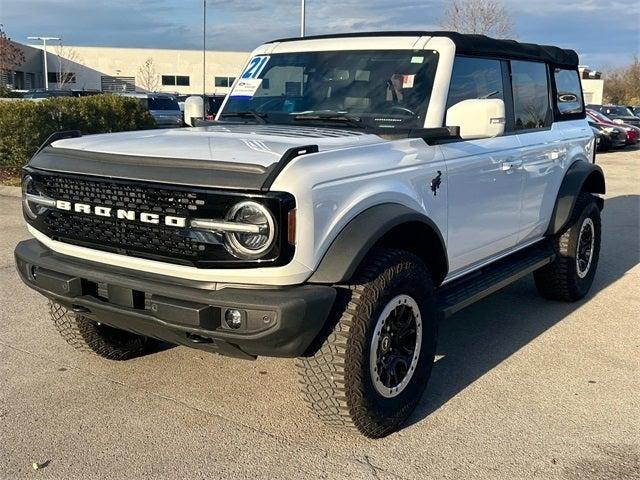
(408,80)
(246,87)
(255,67)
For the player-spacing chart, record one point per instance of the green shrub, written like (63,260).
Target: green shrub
(25,125)
(6,92)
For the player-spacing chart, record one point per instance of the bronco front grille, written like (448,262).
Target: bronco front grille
(155,241)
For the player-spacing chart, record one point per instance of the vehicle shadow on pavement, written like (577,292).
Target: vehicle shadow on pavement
(480,337)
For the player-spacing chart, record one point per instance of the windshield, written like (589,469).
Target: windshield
(619,111)
(163,103)
(388,89)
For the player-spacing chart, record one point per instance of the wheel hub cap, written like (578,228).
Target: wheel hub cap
(584,254)
(385,343)
(395,346)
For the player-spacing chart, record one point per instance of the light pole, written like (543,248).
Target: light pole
(302,15)
(44,63)
(204,60)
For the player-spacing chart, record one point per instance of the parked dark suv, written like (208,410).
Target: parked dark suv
(163,108)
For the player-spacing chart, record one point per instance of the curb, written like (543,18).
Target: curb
(6,191)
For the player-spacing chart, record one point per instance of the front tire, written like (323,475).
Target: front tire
(372,369)
(570,276)
(89,336)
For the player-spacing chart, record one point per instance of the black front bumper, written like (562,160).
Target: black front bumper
(278,322)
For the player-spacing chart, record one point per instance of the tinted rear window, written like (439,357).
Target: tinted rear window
(163,103)
(569,92)
(530,95)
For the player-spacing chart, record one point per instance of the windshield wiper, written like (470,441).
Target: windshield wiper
(259,117)
(489,95)
(329,115)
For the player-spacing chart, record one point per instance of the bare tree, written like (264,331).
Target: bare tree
(485,17)
(622,85)
(67,59)
(11,57)
(148,76)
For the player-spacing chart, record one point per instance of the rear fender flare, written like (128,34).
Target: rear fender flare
(581,176)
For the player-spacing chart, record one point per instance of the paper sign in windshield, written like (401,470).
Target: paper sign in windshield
(246,87)
(407,81)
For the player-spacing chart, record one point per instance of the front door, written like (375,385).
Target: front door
(484,176)
(484,184)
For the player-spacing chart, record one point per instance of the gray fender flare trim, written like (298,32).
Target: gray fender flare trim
(581,176)
(358,237)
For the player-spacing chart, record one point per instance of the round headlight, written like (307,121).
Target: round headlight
(31,209)
(250,244)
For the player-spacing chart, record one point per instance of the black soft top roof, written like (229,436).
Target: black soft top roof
(476,45)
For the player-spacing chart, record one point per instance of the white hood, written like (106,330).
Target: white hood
(249,144)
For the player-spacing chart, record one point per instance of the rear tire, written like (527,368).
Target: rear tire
(570,276)
(371,371)
(89,336)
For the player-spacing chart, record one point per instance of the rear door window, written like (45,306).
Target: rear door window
(530,95)
(568,92)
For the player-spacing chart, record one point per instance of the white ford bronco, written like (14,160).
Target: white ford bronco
(353,191)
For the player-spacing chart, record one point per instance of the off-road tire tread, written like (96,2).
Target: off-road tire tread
(555,280)
(323,376)
(83,334)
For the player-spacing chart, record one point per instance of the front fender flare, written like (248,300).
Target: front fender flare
(349,248)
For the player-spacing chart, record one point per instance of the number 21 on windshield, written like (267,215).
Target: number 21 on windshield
(256,64)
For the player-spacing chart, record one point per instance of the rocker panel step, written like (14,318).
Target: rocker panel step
(462,292)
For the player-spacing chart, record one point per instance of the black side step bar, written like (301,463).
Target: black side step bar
(462,292)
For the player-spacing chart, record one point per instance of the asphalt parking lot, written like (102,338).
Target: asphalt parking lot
(523,388)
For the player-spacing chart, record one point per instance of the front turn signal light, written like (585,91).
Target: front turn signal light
(291,227)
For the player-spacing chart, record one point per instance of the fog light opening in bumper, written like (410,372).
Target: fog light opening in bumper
(233,318)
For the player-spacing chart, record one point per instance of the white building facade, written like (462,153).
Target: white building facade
(142,69)
(592,86)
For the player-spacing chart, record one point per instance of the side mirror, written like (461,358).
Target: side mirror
(193,108)
(478,118)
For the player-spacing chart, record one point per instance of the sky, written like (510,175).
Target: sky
(605,33)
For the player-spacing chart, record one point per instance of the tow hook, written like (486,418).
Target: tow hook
(193,338)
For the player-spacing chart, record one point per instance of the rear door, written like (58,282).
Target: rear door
(484,176)
(543,152)
(549,145)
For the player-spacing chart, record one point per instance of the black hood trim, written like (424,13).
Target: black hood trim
(174,171)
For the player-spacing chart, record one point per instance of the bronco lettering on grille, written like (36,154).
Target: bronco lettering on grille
(121,214)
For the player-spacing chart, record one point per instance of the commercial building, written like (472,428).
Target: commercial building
(592,86)
(29,74)
(128,69)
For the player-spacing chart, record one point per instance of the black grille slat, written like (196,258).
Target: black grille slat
(136,238)
(125,196)
(125,235)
